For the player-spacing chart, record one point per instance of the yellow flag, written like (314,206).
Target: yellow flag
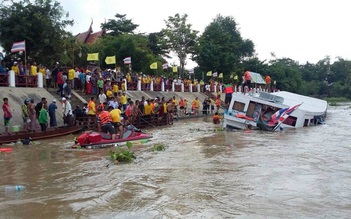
(93,56)
(175,69)
(209,73)
(110,60)
(220,75)
(153,65)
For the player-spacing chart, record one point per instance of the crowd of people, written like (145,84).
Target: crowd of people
(108,91)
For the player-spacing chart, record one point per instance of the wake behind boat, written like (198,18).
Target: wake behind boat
(270,111)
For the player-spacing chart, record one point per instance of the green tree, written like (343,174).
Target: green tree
(179,38)
(135,46)
(41,24)
(221,47)
(157,46)
(120,25)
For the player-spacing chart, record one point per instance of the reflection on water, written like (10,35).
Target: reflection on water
(203,173)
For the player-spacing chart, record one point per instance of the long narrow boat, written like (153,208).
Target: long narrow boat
(94,140)
(49,133)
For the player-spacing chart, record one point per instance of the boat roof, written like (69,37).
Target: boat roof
(309,103)
(256,78)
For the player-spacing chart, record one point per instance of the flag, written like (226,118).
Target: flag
(19,46)
(209,73)
(110,60)
(220,75)
(214,74)
(175,69)
(153,65)
(127,60)
(281,115)
(191,71)
(93,56)
(165,65)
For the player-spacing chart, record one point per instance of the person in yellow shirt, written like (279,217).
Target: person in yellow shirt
(15,68)
(129,78)
(148,109)
(91,107)
(124,101)
(34,69)
(116,119)
(195,106)
(109,93)
(115,89)
(70,76)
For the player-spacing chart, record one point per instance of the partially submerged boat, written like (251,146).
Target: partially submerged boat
(94,140)
(270,111)
(38,135)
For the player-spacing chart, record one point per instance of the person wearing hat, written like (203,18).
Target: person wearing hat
(52,113)
(104,121)
(25,114)
(15,68)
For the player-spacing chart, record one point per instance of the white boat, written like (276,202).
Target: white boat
(259,111)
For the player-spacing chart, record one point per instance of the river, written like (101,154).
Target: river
(203,173)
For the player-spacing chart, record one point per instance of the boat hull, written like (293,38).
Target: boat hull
(38,135)
(103,143)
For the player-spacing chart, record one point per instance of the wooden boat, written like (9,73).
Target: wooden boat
(49,133)
(94,140)
(270,111)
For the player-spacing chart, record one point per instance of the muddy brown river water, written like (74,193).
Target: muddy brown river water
(303,173)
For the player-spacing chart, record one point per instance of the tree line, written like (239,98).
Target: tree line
(220,47)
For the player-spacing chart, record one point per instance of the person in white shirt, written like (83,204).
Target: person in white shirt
(48,77)
(102,97)
(67,112)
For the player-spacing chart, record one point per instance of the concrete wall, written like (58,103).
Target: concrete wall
(16,98)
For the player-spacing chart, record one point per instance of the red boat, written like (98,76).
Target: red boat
(93,140)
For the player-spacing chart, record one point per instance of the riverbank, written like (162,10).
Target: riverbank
(17,95)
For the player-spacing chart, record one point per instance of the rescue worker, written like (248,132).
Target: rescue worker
(104,121)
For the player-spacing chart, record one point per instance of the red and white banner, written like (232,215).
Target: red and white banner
(19,46)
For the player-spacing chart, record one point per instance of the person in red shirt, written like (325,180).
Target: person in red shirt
(60,82)
(7,114)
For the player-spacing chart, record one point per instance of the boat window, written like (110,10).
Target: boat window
(291,120)
(253,107)
(238,106)
(305,123)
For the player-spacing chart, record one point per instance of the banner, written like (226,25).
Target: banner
(93,57)
(209,73)
(214,74)
(175,69)
(165,66)
(191,71)
(110,60)
(127,60)
(19,46)
(220,75)
(153,65)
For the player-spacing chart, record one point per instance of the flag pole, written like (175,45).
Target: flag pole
(25,58)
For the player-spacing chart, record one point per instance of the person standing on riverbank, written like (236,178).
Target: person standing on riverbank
(7,114)
(25,115)
(52,113)
(32,115)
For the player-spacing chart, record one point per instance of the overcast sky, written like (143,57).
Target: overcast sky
(303,30)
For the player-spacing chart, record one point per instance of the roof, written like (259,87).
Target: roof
(89,37)
(257,78)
